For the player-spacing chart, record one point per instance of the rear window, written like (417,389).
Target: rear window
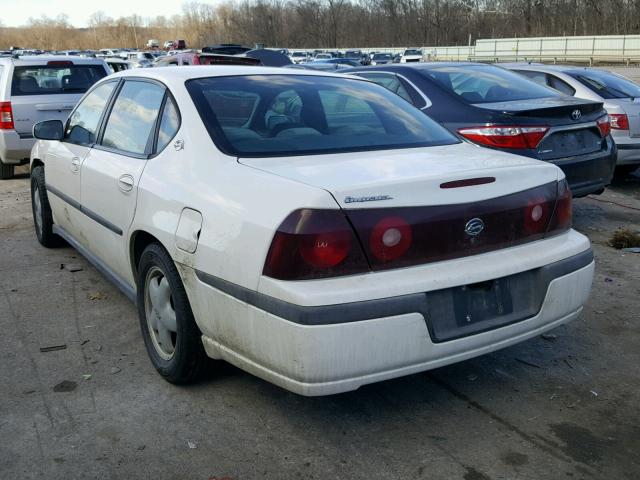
(283,115)
(607,85)
(487,84)
(413,52)
(52,80)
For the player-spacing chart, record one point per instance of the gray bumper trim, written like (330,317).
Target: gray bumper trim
(368,309)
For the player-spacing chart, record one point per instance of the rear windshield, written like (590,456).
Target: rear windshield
(282,115)
(412,52)
(607,85)
(52,80)
(487,84)
(382,56)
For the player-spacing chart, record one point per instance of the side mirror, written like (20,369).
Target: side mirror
(49,130)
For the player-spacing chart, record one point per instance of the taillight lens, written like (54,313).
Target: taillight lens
(6,116)
(390,239)
(563,212)
(505,136)
(619,121)
(604,125)
(314,244)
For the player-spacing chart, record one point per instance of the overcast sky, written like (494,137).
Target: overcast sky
(14,13)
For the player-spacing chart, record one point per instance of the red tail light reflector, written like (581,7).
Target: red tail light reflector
(619,121)
(604,125)
(6,116)
(499,136)
(469,182)
(390,239)
(314,244)
(563,213)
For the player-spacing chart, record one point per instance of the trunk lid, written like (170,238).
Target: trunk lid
(31,109)
(411,177)
(557,110)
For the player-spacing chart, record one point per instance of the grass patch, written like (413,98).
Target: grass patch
(624,238)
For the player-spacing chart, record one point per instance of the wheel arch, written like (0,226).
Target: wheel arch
(140,239)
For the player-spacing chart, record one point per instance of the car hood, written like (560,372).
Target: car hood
(411,177)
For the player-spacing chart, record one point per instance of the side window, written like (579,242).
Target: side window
(390,82)
(169,124)
(538,77)
(133,117)
(561,85)
(82,126)
(349,112)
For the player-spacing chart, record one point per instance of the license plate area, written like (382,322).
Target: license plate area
(481,301)
(470,309)
(570,143)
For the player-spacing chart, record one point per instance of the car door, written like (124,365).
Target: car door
(63,160)
(112,169)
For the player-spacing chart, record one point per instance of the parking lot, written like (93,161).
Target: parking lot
(81,400)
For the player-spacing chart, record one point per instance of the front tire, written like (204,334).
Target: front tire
(171,336)
(42,217)
(6,171)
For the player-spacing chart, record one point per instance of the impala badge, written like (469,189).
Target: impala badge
(474,227)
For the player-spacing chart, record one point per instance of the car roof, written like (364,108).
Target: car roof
(43,59)
(181,74)
(544,67)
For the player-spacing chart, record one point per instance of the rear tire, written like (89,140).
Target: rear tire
(42,217)
(171,336)
(624,170)
(6,171)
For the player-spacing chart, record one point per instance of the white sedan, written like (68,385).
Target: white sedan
(313,229)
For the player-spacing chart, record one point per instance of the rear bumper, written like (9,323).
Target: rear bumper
(590,173)
(364,342)
(15,148)
(628,153)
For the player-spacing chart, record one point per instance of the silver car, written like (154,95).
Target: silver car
(37,88)
(621,98)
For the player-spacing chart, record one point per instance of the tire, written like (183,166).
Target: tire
(6,171)
(624,170)
(171,336)
(42,217)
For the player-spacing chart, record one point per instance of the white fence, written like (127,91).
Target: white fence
(610,48)
(588,49)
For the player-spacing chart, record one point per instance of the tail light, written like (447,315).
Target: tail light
(604,125)
(563,212)
(6,116)
(328,243)
(619,121)
(314,244)
(505,136)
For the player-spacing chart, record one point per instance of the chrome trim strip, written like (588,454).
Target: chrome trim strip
(92,215)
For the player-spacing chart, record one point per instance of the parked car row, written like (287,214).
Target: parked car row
(317,229)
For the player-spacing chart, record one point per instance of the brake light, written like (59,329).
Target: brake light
(563,213)
(314,244)
(505,136)
(619,121)
(6,116)
(60,63)
(604,125)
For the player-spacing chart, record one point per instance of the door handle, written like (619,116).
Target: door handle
(125,183)
(75,164)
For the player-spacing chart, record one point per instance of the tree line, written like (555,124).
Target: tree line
(335,23)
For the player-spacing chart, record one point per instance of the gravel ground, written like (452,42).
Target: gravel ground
(562,406)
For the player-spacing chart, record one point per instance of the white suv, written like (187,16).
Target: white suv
(37,88)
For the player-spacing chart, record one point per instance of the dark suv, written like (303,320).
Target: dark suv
(497,108)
